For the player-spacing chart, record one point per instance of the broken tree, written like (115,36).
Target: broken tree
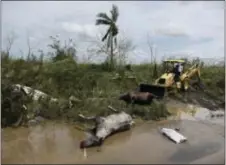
(106,126)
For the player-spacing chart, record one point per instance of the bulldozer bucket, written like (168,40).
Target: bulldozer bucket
(157,90)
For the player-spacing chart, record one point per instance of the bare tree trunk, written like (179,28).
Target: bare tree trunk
(29,47)
(150,48)
(111,58)
(10,40)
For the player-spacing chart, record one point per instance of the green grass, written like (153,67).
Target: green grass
(93,85)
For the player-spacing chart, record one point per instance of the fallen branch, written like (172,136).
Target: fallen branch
(113,109)
(87,118)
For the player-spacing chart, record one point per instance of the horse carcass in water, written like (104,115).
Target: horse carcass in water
(106,126)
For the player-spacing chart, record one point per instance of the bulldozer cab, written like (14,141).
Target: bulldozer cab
(168,65)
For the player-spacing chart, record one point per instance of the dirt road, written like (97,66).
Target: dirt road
(58,143)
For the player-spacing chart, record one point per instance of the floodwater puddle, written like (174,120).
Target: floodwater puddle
(59,143)
(196,113)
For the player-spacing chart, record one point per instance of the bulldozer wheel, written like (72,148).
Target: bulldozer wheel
(197,84)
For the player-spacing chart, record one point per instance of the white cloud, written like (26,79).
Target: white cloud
(87,29)
(196,20)
(170,31)
(72,27)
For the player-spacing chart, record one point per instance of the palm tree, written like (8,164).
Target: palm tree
(104,19)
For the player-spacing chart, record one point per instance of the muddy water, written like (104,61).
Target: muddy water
(58,143)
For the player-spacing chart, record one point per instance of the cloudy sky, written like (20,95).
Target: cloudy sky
(175,28)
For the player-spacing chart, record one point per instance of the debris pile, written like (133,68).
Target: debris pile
(14,105)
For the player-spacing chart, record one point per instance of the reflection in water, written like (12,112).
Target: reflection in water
(39,144)
(52,143)
(59,143)
(191,153)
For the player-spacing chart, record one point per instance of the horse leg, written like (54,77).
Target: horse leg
(100,144)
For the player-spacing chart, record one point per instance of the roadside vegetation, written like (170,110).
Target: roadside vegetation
(95,86)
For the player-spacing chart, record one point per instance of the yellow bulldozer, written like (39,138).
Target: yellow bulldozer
(167,83)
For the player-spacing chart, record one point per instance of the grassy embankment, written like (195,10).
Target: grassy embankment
(93,85)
